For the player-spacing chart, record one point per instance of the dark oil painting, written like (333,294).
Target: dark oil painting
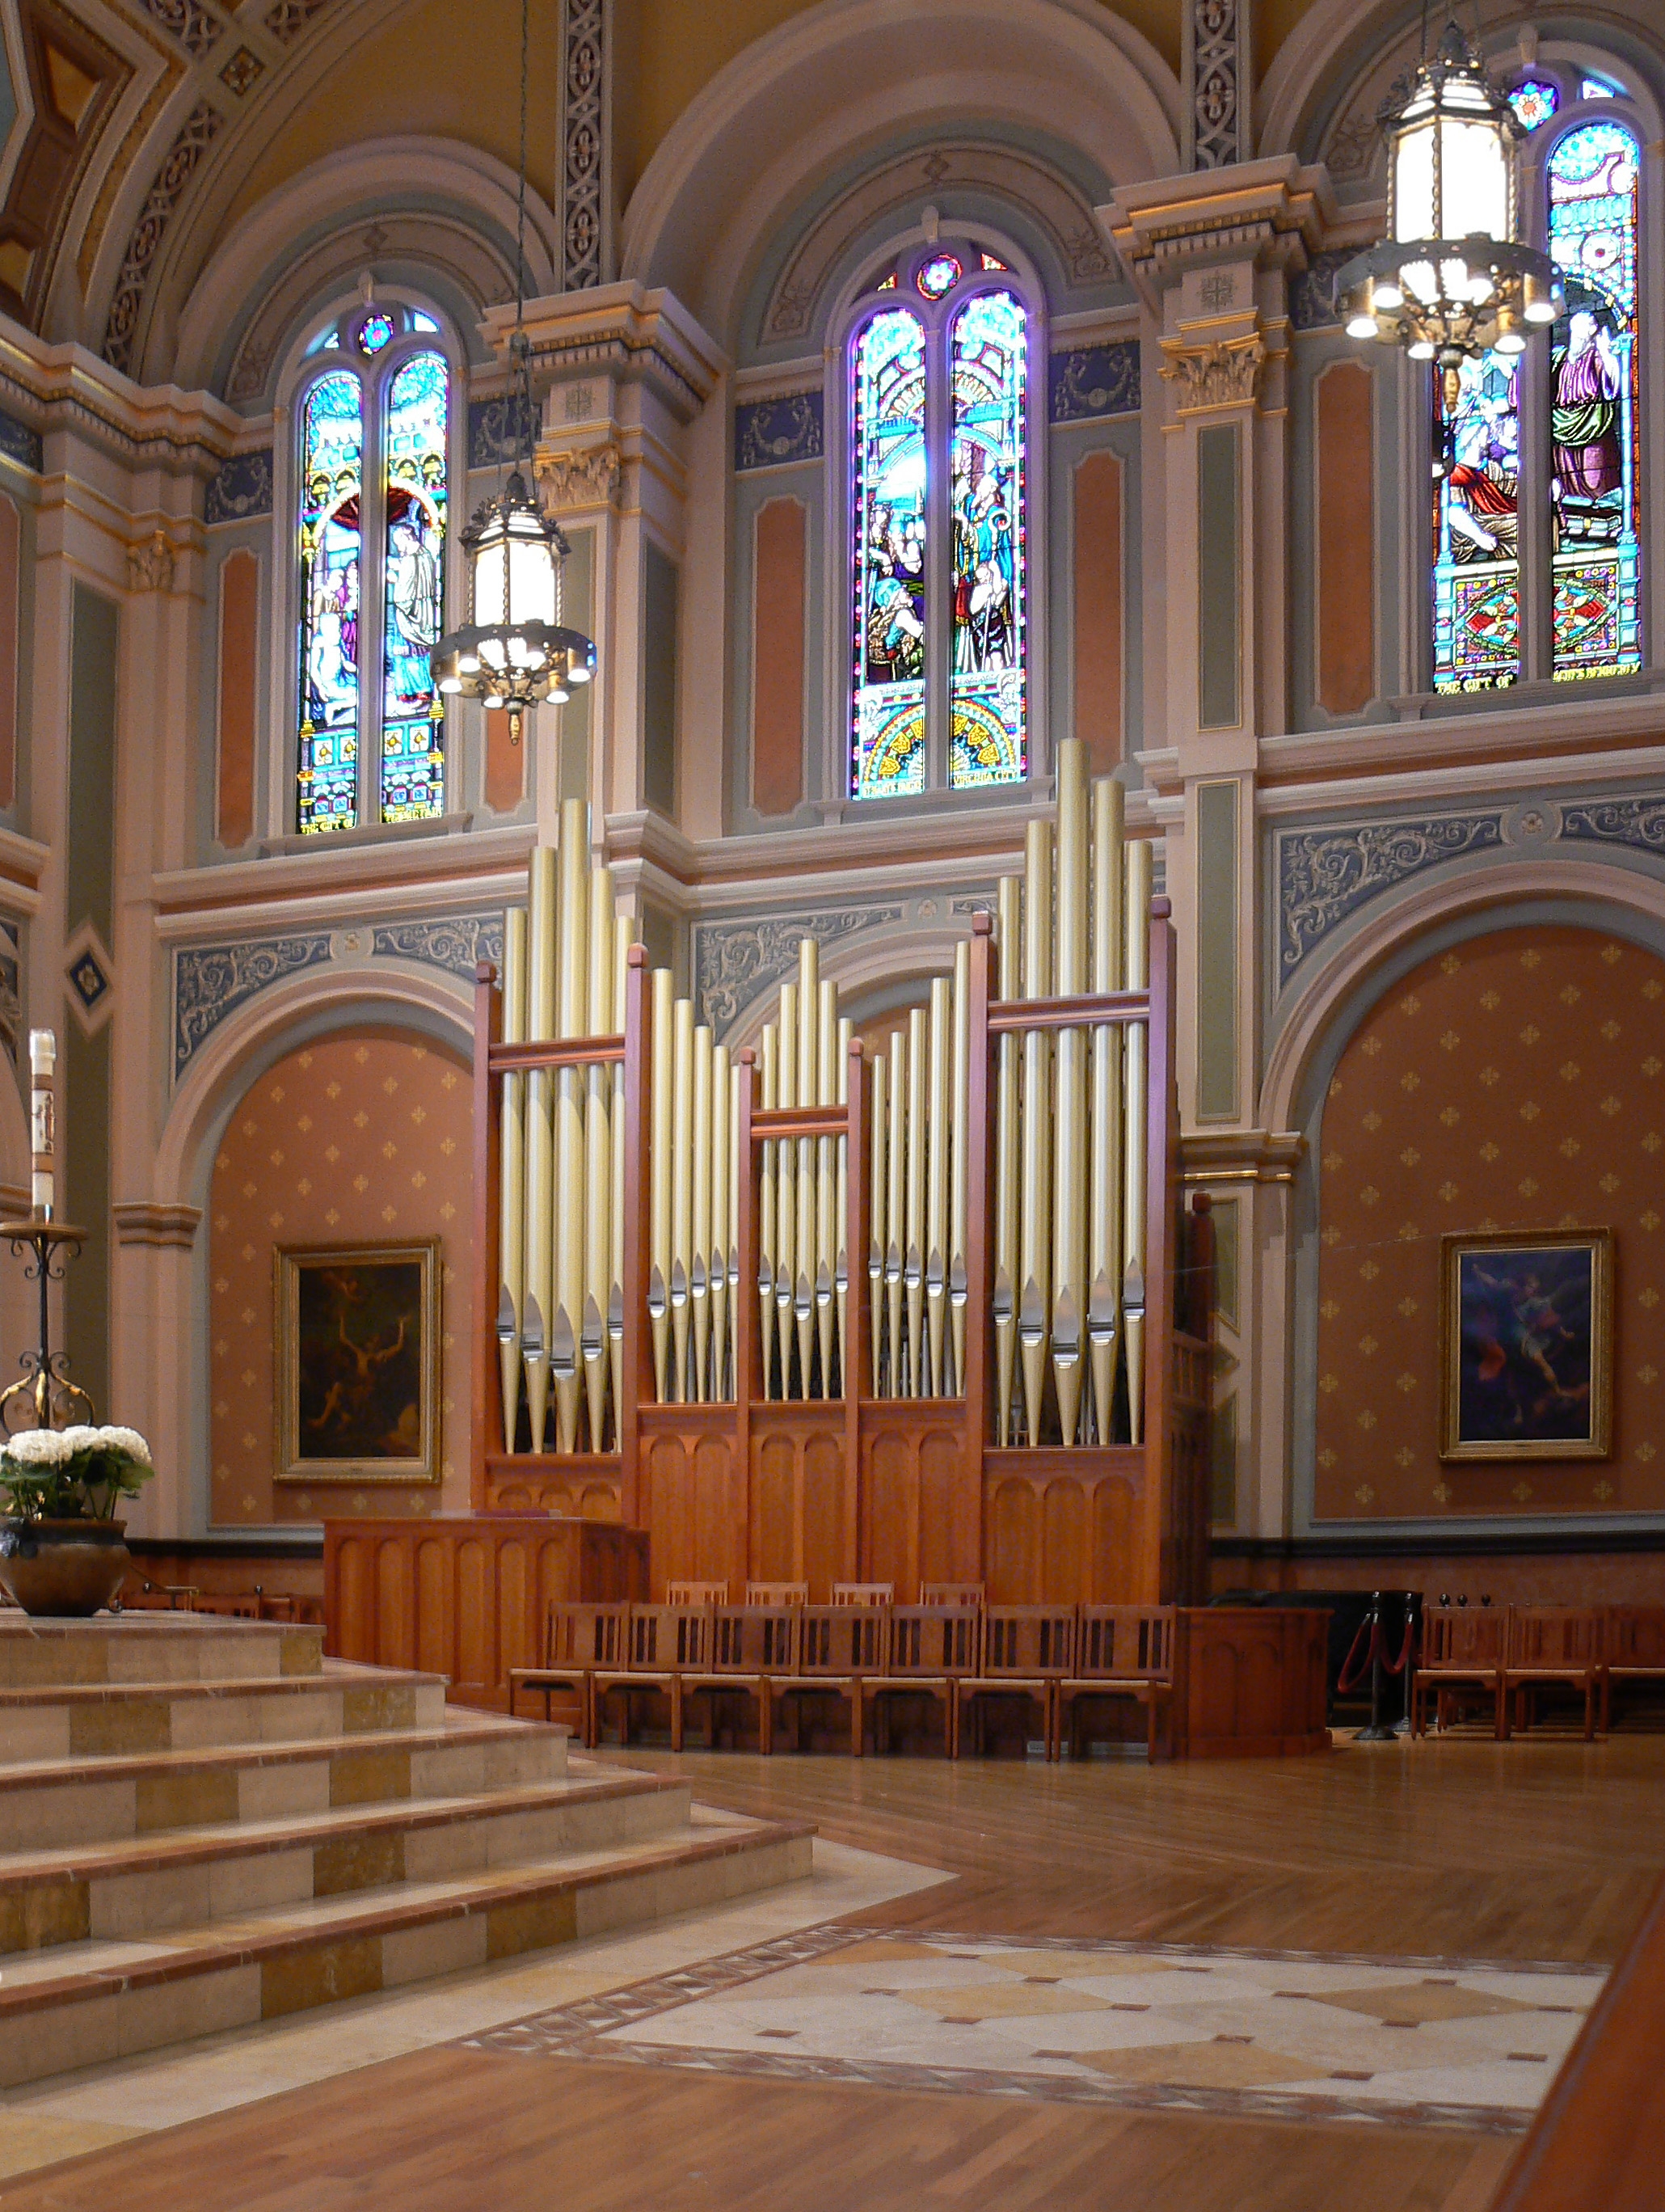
(360,1365)
(1528,1374)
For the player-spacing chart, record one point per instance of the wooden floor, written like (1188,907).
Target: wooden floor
(1531,1851)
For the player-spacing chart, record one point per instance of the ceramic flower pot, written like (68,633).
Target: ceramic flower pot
(60,1569)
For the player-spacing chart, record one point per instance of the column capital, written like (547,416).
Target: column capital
(1270,214)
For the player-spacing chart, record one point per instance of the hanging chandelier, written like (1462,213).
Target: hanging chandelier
(1450,282)
(515,650)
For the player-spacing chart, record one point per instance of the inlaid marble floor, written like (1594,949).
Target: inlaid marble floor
(1275,2034)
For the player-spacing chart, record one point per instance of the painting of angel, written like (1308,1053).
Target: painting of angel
(1528,1345)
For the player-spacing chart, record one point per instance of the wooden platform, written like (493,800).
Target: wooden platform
(1536,1852)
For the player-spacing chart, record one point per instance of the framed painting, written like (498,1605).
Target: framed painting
(358,1362)
(1527,1346)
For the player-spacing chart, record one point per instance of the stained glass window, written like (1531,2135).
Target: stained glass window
(331,534)
(989,728)
(375,332)
(1594,488)
(939,276)
(1535,100)
(1477,578)
(412,714)
(1597,87)
(887,436)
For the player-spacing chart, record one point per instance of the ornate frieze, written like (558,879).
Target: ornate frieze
(20,444)
(500,429)
(1312,302)
(240,489)
(1214,120)
(196,135)
(775,432)
(195,26)
(583,145)
(290,18)
(1637,821)
(1095,381)
(1224,373)
(1324,876)
(211,982)
(590,478)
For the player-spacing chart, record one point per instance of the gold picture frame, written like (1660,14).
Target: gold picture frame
(1526,1344)
(357,1341)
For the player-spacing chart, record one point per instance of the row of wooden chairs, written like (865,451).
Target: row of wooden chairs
(1507,1654)
(777,1650)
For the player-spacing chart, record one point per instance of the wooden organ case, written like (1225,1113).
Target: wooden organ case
(909,1411)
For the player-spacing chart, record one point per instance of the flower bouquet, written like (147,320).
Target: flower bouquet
(61,1548)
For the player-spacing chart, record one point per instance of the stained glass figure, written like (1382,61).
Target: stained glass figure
(375,332)
(1535,99)
(888,476)
(413,713)
(989,726)
(1594,491)
(331,531)
(939,276)
(1476,527)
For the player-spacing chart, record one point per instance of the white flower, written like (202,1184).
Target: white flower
(39,1448)
(128,1442)
(80,1437)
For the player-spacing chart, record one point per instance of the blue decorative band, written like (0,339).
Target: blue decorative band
(241,491)
(1098,380)
(775,432)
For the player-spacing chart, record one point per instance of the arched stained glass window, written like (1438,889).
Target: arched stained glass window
(1477,568)
(887,432)
(990,393)
(939,425)
(1592,175)
(412,714)
(331,564)
(370,571)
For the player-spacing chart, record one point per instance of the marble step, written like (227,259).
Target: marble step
(152,1647)
(70,1802)
(80,2004)
(129,1892)
(58,1721)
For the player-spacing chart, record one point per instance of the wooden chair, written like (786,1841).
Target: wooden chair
(837,1645)
(776,1593)
(1121,1651)
(696,1593)
(1552,1644)
(1632,1650)
(952,1593)
(1463,1647)
(863,1593)
(751,1648)
(929,1650)
(1026,1650)
(579,1637)
(662,1642)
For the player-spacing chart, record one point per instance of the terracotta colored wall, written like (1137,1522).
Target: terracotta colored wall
(777,658)
(1517,1082)
(1347,552)
(354,1139)
(239,613)
(1098,594)
(506,764)
(10,529)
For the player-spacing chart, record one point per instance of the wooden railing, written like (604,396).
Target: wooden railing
(1598,2143)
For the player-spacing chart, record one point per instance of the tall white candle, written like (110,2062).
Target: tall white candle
(43,1059)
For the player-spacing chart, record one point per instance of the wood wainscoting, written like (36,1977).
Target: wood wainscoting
(467,1595)
(1250,1682)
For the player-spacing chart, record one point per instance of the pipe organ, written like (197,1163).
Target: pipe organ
(808,1313)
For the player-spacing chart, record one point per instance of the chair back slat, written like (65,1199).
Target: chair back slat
(696,1593)
(1634,1636)
(580,1633)
(863,1593)
(1132,1643)
(1028,1639)
(842,1639)
(932,1639)
(1458,1637)
(1554,1636)
(777,1594)
(668,1639)
(952,1593)
(754,1640)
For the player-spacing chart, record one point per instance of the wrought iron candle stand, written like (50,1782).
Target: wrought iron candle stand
(43,1397)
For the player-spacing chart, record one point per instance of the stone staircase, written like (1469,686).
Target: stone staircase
(205,1824)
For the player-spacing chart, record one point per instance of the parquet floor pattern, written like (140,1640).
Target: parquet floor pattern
(1535,1850)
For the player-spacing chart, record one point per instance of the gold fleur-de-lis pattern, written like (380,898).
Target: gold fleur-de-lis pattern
(1514,1083)
(355,1140)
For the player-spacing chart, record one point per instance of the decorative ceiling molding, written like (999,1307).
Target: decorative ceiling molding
(586,147)
(195,26)
(195,136)
(76,80)
(1060,208)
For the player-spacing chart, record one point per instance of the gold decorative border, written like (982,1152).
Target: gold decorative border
(287,1260)
(1598,1444)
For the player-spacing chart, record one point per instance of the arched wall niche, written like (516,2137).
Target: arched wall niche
(974,181)
(832,89)
(450,228)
